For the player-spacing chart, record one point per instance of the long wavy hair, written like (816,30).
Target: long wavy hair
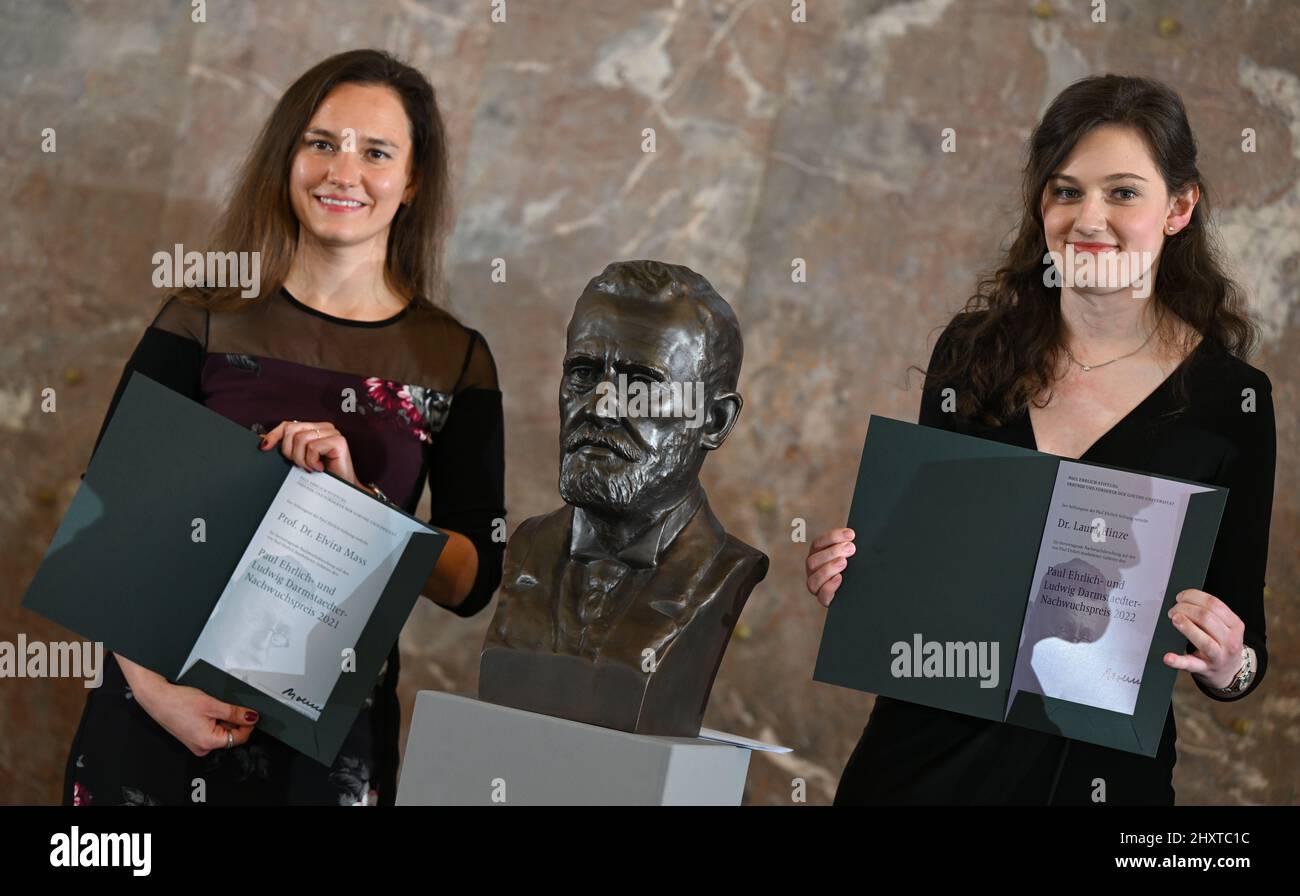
(1003,357)
(259,216)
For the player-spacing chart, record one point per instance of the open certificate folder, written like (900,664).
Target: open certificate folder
(228,569)
(1016,586)
(308,581)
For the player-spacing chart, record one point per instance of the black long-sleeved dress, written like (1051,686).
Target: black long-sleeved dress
(912,754)
(417,399)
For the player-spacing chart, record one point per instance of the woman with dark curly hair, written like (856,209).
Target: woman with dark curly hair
(343,363)
(1142,367)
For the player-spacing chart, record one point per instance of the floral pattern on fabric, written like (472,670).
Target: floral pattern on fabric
(418,410)
(351,775)
(421,411)
(132,796)
(242,762)
(247,363)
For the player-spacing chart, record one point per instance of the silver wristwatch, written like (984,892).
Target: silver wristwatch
(1243,677)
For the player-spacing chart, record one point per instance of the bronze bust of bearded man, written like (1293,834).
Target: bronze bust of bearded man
(615,609)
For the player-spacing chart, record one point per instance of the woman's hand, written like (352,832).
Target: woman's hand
(200,722)
(827,557)
(314,447)
(1216,634)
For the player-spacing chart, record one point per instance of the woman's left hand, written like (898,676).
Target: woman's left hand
(313,446)
(1216,634)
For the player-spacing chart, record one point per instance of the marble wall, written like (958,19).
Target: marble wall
(775,140)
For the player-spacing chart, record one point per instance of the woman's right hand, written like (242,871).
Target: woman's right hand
(828,555)
(200,722)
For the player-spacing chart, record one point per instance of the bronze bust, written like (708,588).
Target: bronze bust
(615,609)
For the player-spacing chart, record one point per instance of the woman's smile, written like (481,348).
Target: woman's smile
(339,204)
(1093,248)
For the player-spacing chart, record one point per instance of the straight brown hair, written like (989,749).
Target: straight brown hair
(259,216)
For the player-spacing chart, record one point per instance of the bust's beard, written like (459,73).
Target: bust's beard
(626,487)
(615,494)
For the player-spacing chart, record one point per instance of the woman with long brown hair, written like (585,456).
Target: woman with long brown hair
(343,363)
(1141,367)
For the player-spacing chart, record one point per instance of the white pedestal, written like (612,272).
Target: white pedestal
(464,752)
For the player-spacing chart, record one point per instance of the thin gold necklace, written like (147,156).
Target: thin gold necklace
(1088,367)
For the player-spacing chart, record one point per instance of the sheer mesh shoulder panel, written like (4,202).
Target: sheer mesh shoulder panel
(182,319)
(480,368)
(170,352)
(421,344)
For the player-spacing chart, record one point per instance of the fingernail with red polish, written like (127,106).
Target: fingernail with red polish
(250,716)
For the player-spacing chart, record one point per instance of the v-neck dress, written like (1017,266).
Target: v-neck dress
(1219,431)
(416,397)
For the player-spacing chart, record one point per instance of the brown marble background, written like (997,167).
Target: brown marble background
(776,140)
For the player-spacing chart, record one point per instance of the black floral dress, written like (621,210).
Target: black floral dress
(417,399)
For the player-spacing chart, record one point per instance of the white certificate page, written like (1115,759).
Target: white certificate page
(1103,567)
(304,590)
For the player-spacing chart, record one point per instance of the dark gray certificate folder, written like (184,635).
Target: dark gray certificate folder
(947,529)
(124,569)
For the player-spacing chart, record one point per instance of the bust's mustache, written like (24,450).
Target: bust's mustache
(603,438)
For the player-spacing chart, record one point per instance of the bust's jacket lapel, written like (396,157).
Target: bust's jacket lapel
(673,593)
(529,583)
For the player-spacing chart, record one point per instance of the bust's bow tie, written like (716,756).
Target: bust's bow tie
(645,550)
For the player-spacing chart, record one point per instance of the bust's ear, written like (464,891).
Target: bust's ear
(721,417)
